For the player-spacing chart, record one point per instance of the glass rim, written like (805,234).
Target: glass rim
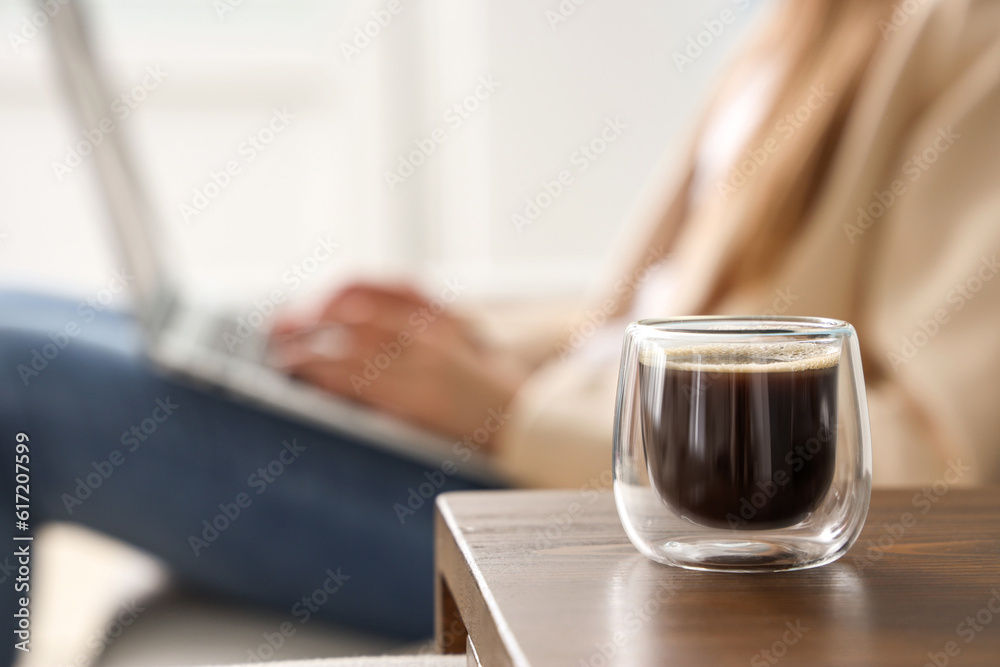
(802,326)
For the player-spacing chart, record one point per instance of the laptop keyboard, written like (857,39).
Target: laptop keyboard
(226,336)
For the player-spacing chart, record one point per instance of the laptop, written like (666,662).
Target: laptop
(190,341)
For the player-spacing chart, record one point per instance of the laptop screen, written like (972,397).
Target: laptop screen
(139,238)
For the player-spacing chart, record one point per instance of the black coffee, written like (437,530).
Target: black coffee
(741,446)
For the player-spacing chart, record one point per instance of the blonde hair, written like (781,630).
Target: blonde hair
(821,43)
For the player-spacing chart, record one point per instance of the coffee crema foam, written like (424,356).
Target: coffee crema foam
(776,357)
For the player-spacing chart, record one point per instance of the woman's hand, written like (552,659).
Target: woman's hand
(392,348)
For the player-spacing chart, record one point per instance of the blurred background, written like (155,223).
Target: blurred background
(199,85)
(361,96)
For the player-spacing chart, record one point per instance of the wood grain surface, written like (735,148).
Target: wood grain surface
(549,578)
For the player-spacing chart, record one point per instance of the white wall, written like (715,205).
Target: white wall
(325,174)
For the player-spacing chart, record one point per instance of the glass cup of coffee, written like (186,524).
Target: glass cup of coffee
(742,444)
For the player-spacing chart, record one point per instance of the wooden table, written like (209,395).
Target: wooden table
(549,578)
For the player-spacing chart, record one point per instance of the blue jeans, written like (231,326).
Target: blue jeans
(233,499)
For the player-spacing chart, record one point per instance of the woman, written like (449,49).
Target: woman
(844,169)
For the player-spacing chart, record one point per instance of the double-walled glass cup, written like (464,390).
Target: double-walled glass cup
(742,444)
